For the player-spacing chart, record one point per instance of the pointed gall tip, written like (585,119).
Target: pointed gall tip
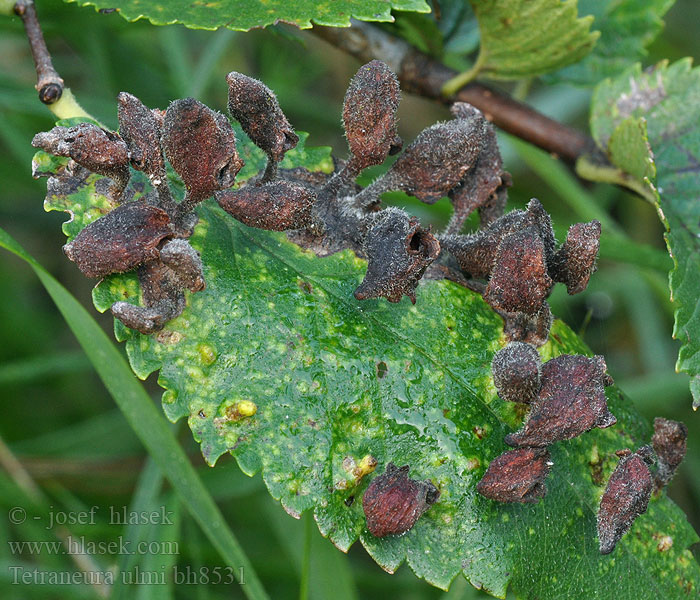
(361,294)
(124,97)
(39,139)
(606,546)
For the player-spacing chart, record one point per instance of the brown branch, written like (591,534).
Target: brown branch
(49,84)
(425,76)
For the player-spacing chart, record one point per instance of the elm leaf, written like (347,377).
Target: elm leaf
(648,125)
(242,15)
(626,28)
(278,364)
(522,38)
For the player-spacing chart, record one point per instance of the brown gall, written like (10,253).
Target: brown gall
(124,238)
(140,130)
(255,107)
(369,114)
(519,280)
(275,206)
(393,502)
(92,147)
(516,476)
(570,402)
(436,161)
(516,372)
(201,147)
(625,498)
(669,443)
(398,252)
(574,263)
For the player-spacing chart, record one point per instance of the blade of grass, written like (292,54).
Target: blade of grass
(27,496)
(38,367)
(146,421)
(211,54)
(656,350)
(193,535)
(173,41)
(107,434)
(329,570)
(160,564)
(306,559)
(624,250)
(144,501)
(556,176)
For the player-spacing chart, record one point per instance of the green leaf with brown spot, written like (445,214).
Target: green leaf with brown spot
(648,124)
(278,364)
(242,15)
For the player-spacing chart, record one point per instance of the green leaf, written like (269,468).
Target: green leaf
(522,38)
(459,27)
(335,380)
(629,149)
(626,28)
(419,30)
(648,123)
(7,7)
(242,15)
(151,428)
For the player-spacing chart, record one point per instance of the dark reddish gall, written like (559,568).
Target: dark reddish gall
(255,107)
(398,250)
(92,147)
(625,498)
(201,147)
(139,127)
(669,443)
(574,263)
(125,237)
(519,281)
(571,401)
(369,114)
(516,476)
(275,206)
(516,372)
(485,185)
(393,502)
(435,162)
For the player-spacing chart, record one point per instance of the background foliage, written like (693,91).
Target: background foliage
(59,420)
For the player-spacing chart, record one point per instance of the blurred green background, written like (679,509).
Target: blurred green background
(61,424)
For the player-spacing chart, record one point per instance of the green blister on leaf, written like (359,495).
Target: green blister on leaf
(247,14)
(648,124)
(326,381)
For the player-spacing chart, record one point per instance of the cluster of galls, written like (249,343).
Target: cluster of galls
(518,257)
(516,253)
(567,398)
(513,260)
(632,482)
(150,234)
